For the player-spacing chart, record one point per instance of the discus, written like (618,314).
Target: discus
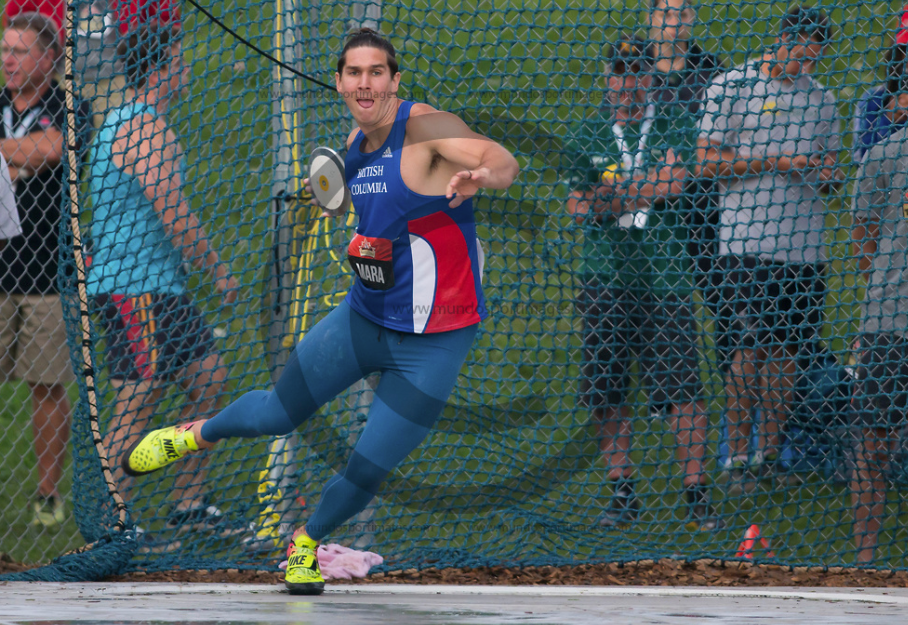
(326,176)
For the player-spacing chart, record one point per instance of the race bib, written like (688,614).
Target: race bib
(372,261)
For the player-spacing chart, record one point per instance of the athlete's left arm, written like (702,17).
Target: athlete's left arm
(484,163)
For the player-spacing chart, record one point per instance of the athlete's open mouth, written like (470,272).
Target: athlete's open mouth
(365,103)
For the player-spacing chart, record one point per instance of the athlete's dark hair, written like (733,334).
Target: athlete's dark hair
(148,50)
(44,27)
(368,38)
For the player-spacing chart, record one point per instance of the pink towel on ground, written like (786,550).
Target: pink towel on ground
(338,562)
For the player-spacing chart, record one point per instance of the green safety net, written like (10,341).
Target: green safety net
(602,336)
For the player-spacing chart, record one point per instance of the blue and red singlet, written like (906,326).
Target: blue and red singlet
(415,258)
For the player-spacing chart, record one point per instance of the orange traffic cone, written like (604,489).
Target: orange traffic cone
(745,549)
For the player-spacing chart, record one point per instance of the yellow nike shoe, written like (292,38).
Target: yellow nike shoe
(157,449)
(303,577)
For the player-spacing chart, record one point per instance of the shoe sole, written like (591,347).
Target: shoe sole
(124,461)
(307,588)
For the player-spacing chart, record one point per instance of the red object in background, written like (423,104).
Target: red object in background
(54,9)
(131,13)
(751,536)
(901,36)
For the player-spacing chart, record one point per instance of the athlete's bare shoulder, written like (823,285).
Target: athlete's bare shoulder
(420,108)
(351,136)
(427,123)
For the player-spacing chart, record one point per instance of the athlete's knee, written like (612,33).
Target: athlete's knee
(365,474)
(273,418)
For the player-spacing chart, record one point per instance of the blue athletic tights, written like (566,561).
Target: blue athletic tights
(418,372)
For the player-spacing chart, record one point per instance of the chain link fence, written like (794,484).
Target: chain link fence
(635,383)
(36,378)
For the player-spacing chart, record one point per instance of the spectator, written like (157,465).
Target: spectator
(682,71)
(54,9)
(97,69)
(155,335)
(630,165)
(32,334)
(770,136)
(132,15)
(9,214)
(884,110)
(880,211)
(103,23)
(880,120)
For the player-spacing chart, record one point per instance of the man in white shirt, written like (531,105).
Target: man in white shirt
(10,225)
(770,135)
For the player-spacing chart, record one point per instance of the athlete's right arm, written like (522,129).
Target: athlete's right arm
(147,149)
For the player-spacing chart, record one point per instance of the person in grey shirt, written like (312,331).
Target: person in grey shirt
(770,136)
(10,226)
(880,236)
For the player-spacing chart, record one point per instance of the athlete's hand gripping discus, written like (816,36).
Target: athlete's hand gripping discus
(326,177)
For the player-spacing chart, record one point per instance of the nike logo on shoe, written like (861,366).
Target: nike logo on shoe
(297,560)
(169,449)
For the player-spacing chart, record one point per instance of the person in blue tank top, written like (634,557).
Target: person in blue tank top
(142,232)
(411,315)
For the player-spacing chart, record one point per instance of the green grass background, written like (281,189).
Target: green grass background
(511,472)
